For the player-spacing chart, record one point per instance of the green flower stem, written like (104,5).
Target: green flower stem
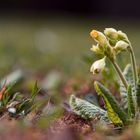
(118,70)
(134,65)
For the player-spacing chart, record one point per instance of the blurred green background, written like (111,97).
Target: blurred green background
(42,43)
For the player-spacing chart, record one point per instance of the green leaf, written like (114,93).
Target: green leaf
(131,107)
(138,93)
(115,113)
(87,110)
(24,106)
(28,104)
(34,91)
(128,75)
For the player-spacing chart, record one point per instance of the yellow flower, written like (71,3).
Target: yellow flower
(97,49)
(122,36)
(120,46)
(98,66)
(99,37)
(111,33)
(94,33)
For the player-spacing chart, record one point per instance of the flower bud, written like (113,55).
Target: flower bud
(111,33)
(121,46)
(122,36)
(99,37)
(97,49)
(98,66)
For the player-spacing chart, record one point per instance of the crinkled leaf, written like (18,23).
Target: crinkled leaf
(115,113)
(131,107)
(138,93)
(128,75)
(87,110)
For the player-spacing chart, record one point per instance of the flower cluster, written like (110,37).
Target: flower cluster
(109,44)
(127,110)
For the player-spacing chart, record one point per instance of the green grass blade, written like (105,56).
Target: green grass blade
(24,106)
(34,91)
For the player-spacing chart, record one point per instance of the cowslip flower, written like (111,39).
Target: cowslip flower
(99,37)
(97,49)
(98,66)
(121,46)
(111,33)
(122,36)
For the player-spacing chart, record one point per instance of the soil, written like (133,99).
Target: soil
(67,127)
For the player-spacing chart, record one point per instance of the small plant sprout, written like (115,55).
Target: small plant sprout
(14,102)
(127,110)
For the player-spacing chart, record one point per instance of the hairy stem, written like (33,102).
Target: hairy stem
(118,70)
(133,62)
